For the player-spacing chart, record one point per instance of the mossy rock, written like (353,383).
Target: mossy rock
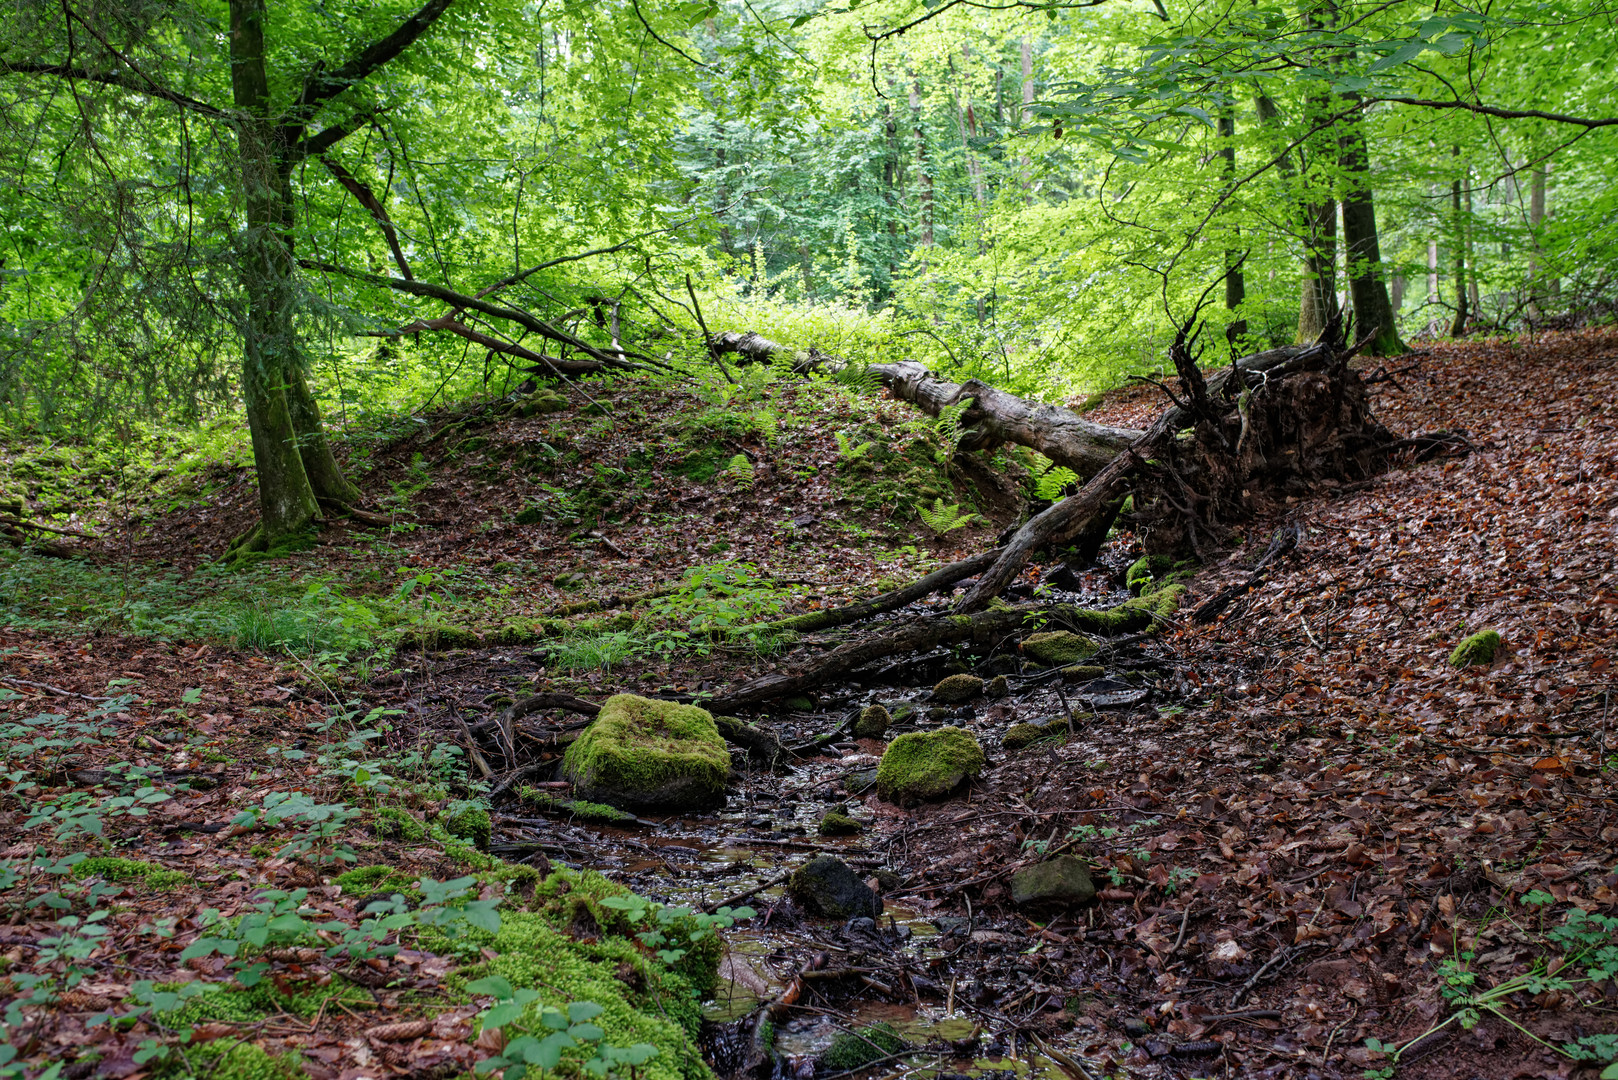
(1480,648)
(652,755)
(925,765)
(542,402)
(1060,882)
(1022,736)
(471,446)
(837,823)
(529,515)
(873,723)
(1058,648)
(958,688)
(468,821)
(998,687)
(129,871)
(799,704)
(1082,673)
(857,1049)
(392,823)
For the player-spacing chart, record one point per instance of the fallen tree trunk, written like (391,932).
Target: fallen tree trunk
(995,416)
(934,630)
(942,578)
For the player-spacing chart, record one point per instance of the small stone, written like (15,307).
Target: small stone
(958,688)
(1082,673)
(644,754)
(997,688)
(873,723)
(799,704)
(1062,881)
(858,782)
(826,886)
(1058,647)
(836,823)
(1480,648)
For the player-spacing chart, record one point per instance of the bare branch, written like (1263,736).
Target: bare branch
(367,198)
(1507,114)
(320,85)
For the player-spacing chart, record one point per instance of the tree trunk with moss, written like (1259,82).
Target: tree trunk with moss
(287,503)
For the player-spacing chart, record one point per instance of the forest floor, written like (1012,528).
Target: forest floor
(1312,835)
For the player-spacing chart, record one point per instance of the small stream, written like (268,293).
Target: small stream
(920,967)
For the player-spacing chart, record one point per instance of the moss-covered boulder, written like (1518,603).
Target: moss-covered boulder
(1060,882)
(925,765)
(1081,673)
(542,401)
(826,886)
(641,754)
(998,687)
(958,688)
(873,723)
(1144,569)
(1057,648)
(1480,648)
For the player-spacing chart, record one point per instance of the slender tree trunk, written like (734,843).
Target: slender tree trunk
(1235,285)
(1536,223)
(1433,297)
(1372,311)
(1463,246)
(287,505)
(1471,248)
(924,180)
(1026,117)
(1317,301)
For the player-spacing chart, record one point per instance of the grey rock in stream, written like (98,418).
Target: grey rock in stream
(826,886)
(1062,881)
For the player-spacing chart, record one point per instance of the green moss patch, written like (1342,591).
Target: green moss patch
(857,1049)
(1480,648)
(1057,648)
(469,821)
(129,871)
(927,765)
(645,754)
(582,809)
(392,823)
(873,723)
(836,823)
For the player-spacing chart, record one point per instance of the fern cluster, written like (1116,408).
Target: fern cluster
(848,451)
(767,424)
(942,519)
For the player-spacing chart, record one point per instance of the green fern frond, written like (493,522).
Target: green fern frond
(740,470)
(848,451)
(1053,482)
(942,519)
(768,426)
(948,428)
(858,377)
(1038,464)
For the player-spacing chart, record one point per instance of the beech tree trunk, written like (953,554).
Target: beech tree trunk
(1372,311)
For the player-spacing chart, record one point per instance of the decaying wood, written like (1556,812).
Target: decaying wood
(927,632)
(939,579)
(995,417)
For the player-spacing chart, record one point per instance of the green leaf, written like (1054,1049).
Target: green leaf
(490,985)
